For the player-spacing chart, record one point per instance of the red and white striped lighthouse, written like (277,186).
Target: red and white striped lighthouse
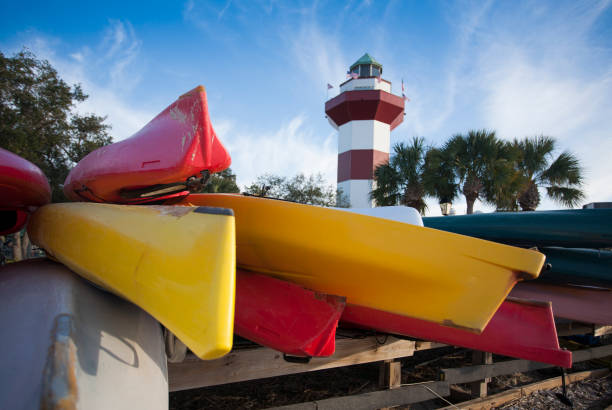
(364,113)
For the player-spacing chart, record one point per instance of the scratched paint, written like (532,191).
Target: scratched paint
(178,115)
(60,390)
(178,211)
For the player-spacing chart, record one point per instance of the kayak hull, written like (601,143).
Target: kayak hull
(177,144)
(23,188)
(176,263)
(582,304)
(284,316)
(578,266)
(375,262)
(575,228)
(518,329)
(67,344)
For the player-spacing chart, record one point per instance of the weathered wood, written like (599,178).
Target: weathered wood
(410,393)
(390,374)
(570,328)
(425,345)
(500,399)
(602,330)
(473,373)
(577,328)
(257,363)
(479,387)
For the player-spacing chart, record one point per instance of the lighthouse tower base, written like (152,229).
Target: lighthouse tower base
(357,192)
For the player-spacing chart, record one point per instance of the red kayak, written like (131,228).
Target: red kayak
(518,329)
(23,188)
(580,303)
(285,316)
(173,154)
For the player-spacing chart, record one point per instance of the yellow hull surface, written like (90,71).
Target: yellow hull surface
(177,263)
(419,272)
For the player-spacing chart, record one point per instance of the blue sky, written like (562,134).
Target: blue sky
(522,68)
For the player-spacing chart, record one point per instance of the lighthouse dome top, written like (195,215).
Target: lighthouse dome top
(366,66)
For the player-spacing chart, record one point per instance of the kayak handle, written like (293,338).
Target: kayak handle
(296,359)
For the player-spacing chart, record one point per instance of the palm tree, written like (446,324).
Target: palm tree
(400,180)
(561,176)
(478,158)
(224,181)
(504,179)
(439,175)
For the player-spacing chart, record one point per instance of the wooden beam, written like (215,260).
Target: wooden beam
(426,345)
(473,373)
(502,398)
(602,330)
(573,328)
(261,362)
(479,387)
(410,393)
(577,328)
(390,374)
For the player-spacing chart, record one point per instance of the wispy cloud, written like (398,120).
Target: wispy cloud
(289,150)
(558,83)
(105,70)
(317,53)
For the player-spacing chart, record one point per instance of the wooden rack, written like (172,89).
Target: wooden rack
(259,362)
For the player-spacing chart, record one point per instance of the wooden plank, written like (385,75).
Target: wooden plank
(410,393)
(473,373)
(577,328)
(426,345)
(573,328)
(390,374)
(479,387)
(502,398)
(261,362)
(602,330)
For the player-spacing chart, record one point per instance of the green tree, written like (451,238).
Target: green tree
(37,120)
(222,182)
(537,167)
(439,175)
(311,190)
(478,158)
(400,180)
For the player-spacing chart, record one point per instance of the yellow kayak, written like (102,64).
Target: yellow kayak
(419,272)
(177,263)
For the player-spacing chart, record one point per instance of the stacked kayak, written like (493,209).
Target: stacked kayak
(580,303)
(68,345)
(519,329)
(302,269)
(574,228)
(171,156)
(374,262)
(578,271)
(23,188)
(592,267)
(177,263)
(285,316)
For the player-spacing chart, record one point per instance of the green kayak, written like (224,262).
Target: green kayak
(575,228)
(578,266)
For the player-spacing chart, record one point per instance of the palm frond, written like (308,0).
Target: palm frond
(536,152)
(439,179)
(387,191)
(567,196)
(564,170)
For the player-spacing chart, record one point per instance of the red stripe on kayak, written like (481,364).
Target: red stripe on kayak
(522,330)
